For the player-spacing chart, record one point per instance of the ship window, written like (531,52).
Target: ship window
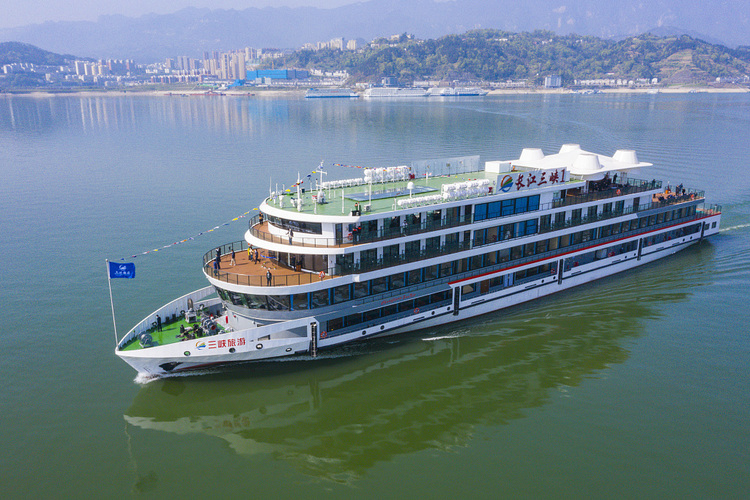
(508,207)
(492,234)
(620,206)
(592,213)
(480,212)
(554,243)
(533,203)
(494,209)
(577,238)
(496,282)
(607,208)
(396,281)
(446,269)
(236,298)
(372,315)
(479,236)
(278,302)
(460,266)
(414,276)
(406,306)
(521,205)
(368,258)
(319,298)
(299,301)
(467,212)
(545,221)
(490,259)
(335,324)
(476,261)
(353,319)
(390,310)
(576,214)
(390,254)
(256,301)
(503,255)
(516,252)
(559,218)
(528,249)
(541,246)
(361,289)
(468,290)
(430,273)
(507,231)
(432,244)
(379,285)
(412,248)
(341,294)
(422,301)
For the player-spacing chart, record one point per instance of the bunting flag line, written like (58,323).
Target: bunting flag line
(189,238)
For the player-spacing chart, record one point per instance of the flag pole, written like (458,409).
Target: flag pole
(111,302)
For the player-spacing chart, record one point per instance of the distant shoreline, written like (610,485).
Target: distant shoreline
(266,93)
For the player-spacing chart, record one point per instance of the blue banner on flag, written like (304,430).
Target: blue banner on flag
(121,270)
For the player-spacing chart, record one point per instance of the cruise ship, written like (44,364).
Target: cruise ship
(456,92)
(376,92)
(416,246)
(330,93)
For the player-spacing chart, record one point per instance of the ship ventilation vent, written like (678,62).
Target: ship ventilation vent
(626,156)
(531,154)
(588,166)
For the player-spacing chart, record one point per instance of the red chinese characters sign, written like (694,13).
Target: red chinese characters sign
(535,179)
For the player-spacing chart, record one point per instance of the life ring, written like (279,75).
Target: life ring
(322,275)
(323,334)
(416,310)
(349,237)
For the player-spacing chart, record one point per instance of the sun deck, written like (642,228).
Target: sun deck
(384,195)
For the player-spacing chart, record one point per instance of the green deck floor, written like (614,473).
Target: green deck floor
(168,334)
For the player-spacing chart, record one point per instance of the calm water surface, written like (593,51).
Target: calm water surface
(635,385)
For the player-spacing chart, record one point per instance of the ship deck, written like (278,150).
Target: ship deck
(384,195)
(256,271)
(169,334)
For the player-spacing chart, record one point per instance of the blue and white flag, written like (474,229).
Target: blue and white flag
(121,270)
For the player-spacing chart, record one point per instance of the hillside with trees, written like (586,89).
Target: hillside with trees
(492,55)
(17,52)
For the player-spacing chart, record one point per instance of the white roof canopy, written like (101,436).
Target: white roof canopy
(591,166)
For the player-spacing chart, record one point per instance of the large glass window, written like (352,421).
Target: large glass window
(299,301)
(341,294)
(361,290)
(319,298)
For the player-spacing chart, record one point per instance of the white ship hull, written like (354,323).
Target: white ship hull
(195,354)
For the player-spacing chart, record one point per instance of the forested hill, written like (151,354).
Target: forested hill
(493,55)
(17,52)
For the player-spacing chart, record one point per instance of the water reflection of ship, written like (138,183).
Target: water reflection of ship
(426,392)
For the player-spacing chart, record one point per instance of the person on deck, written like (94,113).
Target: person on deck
(268,277)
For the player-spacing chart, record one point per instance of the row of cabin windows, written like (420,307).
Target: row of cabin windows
(344,293)
(345,324)
(670,235)
(504,208)
(295,225)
